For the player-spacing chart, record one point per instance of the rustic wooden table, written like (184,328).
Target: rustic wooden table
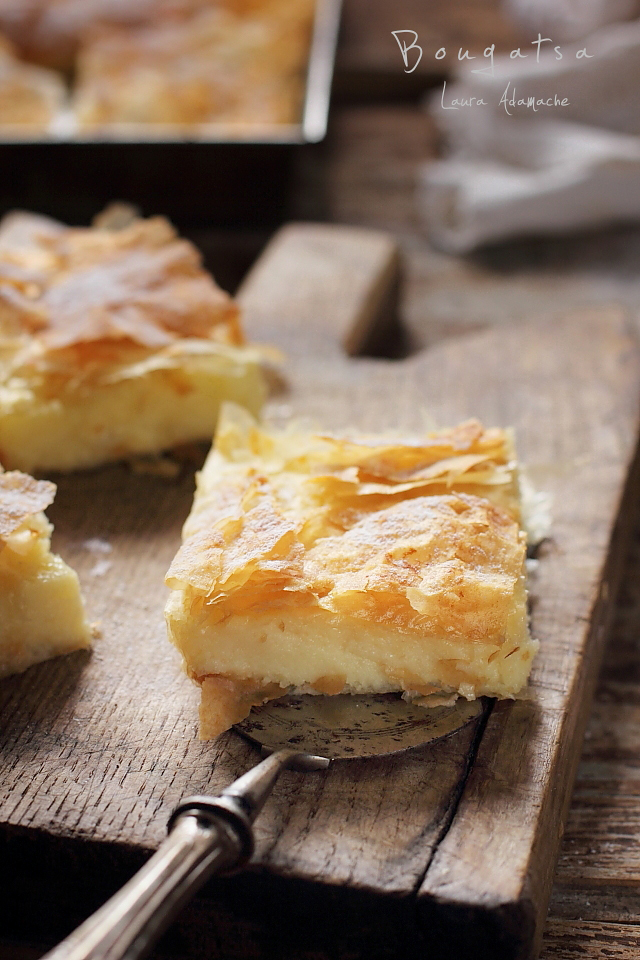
(366,173)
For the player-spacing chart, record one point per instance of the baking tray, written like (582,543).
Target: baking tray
(210,176)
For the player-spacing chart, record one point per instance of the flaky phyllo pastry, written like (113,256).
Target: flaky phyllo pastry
(168,65)
(41,611)
(233,63)
(320,564)
(113,342)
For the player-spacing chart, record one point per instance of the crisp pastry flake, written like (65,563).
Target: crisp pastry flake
(20,496)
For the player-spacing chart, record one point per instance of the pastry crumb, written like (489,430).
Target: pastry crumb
(155,465)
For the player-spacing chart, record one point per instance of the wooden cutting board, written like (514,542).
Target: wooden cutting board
(445,852)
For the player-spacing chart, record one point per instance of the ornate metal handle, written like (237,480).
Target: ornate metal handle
(206,835)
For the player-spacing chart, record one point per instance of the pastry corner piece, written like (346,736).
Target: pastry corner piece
(41,610)
(329,564)
(114,342)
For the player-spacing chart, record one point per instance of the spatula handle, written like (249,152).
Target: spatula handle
(206,835)
(133,919)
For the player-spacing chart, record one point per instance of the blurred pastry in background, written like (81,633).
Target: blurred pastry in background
(214,66)
(114,341)
(48,32)
(167,62)
(30,96)
(18,19)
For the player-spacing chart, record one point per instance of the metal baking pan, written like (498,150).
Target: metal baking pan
(208,176)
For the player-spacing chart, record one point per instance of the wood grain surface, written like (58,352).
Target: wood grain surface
(321,289)
(594,939)
(368,176)
(96,749)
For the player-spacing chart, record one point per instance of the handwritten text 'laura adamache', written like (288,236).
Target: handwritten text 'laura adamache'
(412,53)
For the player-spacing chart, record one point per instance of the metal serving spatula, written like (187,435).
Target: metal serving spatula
(208,835)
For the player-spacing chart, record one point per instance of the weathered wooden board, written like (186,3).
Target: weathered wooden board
(492,870)
(318,290)
(371,163)
(565,940)
(381,858)
(595,903)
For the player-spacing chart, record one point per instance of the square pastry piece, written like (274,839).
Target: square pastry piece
(113,342)
(321,564)
(41,610)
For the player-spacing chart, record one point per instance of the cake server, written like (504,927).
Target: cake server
(209,835)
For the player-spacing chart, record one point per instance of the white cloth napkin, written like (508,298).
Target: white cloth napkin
(569,19)
(514,170)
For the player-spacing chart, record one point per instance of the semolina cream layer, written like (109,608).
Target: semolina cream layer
(168,398)
(41,609)
(333,654)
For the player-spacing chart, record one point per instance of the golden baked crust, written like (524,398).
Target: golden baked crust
(231,63)
(225,702)
(419,539)
(298,502)
(127,312)
(142,285)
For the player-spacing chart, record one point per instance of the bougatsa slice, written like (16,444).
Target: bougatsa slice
(329,564)
(114,342)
